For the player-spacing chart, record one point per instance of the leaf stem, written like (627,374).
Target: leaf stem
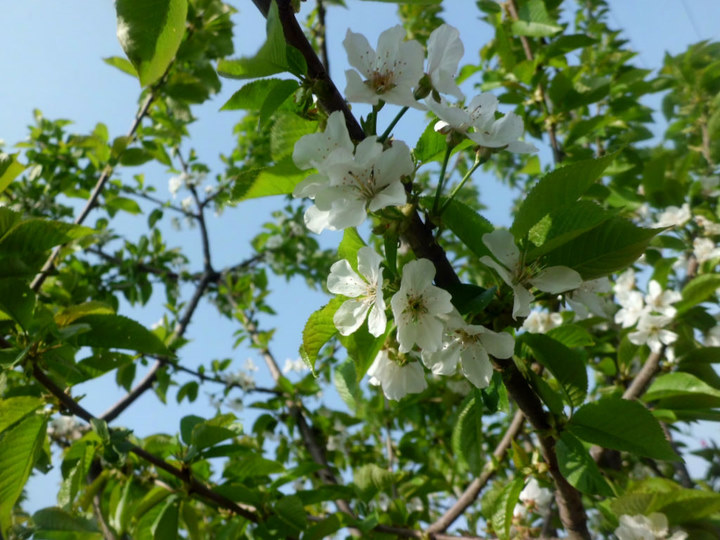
(441,179)
(480,158)
(394,122)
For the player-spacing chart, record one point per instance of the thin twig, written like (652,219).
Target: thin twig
(473,490)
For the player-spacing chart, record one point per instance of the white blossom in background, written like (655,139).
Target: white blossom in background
(176,182)
(415,505)
(383,502)
(250,365)
(660,301)
(624,283)
(477,122)
(652,527)
(555,279)
(297,365)
(710,185)
(366,182)
(337,442)
(670,355)
(651,332)
(712,338)
(363,289)
(418,307)
(705,250)
(396,381)
(710,228)
(587,299)
(65,427)
(388,74)
(632,307)
(470,345)
(460,387)
(674,216)
(240,378)
(540,322)
(444,52)
(187,204)
(534,498)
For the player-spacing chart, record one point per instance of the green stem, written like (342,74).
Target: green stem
(397,118)
(441,180)
(479,160)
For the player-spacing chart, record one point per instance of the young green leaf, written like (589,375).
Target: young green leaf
(557,189)
(10,168)
(466,223)
(700,289)
(467,434)
(620,424)
(17,301)
(578,467)
(119,332)
(502,512)
(280,179)
(318,330)
(13,409)
(350,245)
(150,34)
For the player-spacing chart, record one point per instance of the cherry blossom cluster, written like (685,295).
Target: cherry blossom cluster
(430,331)
(652,312)
(654,526)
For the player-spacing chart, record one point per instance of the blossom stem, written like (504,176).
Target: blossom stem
(394,122)
(441,179)
(480,158)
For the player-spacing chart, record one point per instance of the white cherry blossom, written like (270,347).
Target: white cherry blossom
(396,381)
(661,301)
(674,216)
(652,527)
(632,308)
(586,298)
(417,308)
(534,498)
(540,322)
(478,123)
(651,332)
(710,228)
(390,74)
(555,279)
(312,150)
(712,338)
(363,289)
(366,182)
(624,283)
(470,345)
(444,52)
(705,250)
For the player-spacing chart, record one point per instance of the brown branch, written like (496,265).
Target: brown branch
(473,490)
(552,132)
(321,32)
(192,484)
(95,194)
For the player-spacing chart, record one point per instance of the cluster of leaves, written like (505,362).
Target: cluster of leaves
(590,395)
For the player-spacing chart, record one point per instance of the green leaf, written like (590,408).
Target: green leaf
(150,33)
(18,448)
(287,129)
(350,245)
(122,64)
(700,289)
(371,479)
(15,408)
(502,512)
(431,145)
(252,466)
(564,44)
(17,301)
(324,528)
(38,235)
(465,223)
(565,364)
(55,523)
(165,526)
(10,168)
(318,330)
(578,467)
(620,424)
(534,21)
(132,157)
(70,314)
(346,383)
(291,512)
(362,347)
(280,179)
(131,206)
(571,335)
(118,332)
(559,227)
(467,433)
(557,189)
(265,96)
(704,355)
(275,56)
(612,246)
(679,390)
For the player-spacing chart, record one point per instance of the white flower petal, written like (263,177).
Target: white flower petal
(501,244)
(557,279)
(350,316)
(521,302)
(360,54)
(344,280)
(498,344)
(476,366)
(445,50)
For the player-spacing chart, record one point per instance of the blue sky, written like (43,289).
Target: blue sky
(51,59)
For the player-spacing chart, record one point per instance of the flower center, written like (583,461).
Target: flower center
(416,307)
(381,81)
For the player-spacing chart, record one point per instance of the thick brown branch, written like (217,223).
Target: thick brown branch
(473,490)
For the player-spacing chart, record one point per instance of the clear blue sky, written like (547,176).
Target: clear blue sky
(50,59)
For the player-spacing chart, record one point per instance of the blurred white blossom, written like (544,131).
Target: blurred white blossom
(540,322)
(674,216)
(396,381)
(652,527)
